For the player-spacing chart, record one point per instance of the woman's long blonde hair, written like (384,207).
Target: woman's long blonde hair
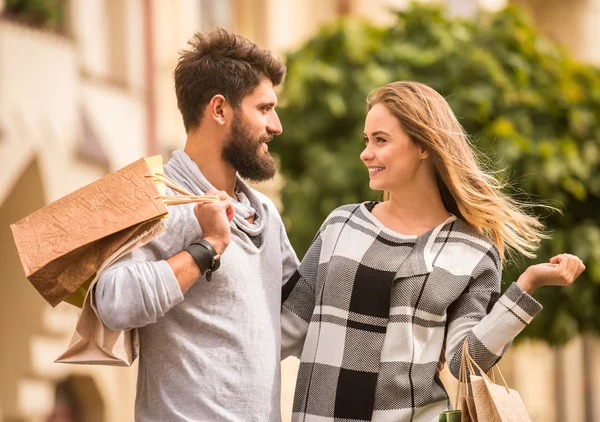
(467,190)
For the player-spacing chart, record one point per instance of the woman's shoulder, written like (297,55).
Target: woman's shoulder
(466,235)
(344,212)
(341,215)
(348,208)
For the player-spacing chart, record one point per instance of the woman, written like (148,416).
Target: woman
(386,284)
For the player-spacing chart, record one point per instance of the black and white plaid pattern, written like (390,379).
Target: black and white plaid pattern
(368,310)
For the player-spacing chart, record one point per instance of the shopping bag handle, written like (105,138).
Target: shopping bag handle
(185,197)
(471,363)
(462,376)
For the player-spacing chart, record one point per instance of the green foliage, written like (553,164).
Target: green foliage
(38,13)
(530,109)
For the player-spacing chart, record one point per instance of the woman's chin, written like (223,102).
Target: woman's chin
(375,185)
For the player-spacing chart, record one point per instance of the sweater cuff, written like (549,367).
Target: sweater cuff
(173,292)
(520,303)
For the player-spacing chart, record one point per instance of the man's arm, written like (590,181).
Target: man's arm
(184,269)
(141,288)
(214,221)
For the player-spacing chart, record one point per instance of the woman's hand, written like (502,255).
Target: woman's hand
(562,270)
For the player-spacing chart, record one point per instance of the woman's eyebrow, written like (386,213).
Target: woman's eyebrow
(379,132)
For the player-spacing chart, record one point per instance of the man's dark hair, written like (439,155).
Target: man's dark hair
(220,63)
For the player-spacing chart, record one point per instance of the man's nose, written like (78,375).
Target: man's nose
(274,125)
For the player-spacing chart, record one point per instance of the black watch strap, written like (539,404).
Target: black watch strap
(205,257)
(208,246)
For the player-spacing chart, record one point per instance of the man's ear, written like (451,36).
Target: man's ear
(216,109)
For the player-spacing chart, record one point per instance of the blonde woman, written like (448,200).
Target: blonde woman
(385,285)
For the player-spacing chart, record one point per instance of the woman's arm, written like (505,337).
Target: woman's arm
(491,324)
(488,320)
(298,301)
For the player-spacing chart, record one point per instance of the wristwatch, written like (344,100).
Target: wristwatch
(207,259)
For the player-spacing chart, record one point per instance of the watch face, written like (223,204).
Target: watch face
(216,263)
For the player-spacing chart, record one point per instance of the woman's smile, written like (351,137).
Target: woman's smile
(374,171)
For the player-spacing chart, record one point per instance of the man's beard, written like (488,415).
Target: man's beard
(244,154)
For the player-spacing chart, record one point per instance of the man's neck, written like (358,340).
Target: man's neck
(206,153)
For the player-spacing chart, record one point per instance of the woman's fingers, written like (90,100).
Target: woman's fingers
(568,267)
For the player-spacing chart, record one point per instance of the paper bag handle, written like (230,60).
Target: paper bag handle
(471,362)
(185,197)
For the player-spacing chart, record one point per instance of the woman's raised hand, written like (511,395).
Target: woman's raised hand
(562,270)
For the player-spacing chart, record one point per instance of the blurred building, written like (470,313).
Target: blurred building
(95,93)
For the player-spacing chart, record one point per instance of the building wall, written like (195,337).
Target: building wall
(45,96)
(575,24)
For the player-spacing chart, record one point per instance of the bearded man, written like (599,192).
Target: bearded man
(209,334)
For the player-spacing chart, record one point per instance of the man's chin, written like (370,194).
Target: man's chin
(257,179)
(259,173)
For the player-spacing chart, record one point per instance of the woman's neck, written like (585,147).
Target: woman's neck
(413,211)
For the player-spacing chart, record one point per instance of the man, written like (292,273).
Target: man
(210,336)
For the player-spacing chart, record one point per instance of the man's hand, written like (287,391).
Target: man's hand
(562,270)
(214,218)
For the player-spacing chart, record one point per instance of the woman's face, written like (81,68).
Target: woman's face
(392,158)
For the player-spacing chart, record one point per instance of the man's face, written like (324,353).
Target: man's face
(254,124)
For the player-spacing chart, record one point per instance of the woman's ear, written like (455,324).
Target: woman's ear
(216,109)
(423,153)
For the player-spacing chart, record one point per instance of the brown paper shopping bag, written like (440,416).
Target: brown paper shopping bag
(95,344)
(65,246)
(62,245)
(497,403)
(486,401)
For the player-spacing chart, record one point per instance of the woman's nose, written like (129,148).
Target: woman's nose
(366,154)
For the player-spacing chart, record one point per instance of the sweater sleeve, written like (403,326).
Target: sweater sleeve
(298,299)
(136,291)
(289,259)
(490,322)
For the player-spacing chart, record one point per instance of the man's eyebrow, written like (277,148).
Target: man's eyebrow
(267,104)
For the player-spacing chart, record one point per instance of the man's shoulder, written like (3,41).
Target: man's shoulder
(265,200)
(261,196)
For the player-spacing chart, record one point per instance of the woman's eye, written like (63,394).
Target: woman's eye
(380,140)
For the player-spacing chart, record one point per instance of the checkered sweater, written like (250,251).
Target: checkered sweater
(369,309)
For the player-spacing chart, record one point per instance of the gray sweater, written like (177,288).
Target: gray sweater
(213,354)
